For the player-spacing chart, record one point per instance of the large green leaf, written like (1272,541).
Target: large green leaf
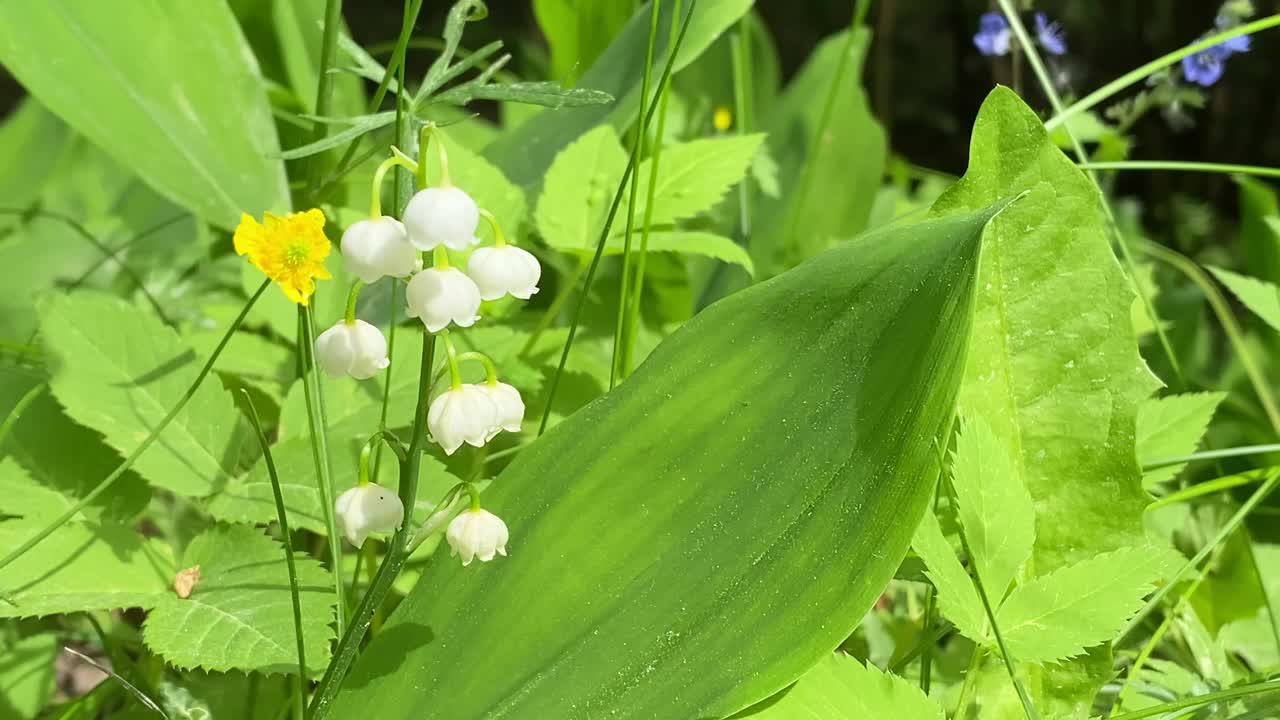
(1055,369)
(525,154)
(841,688)
(240,613)
(577,31)
(119,371)
(32,141)
(696,175)
(693,541)
(210,142)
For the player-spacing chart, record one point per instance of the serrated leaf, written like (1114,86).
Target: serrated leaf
(1055,369)
(119,371)
(994,507)
(359,126)
(27,675)
(841,688)
(204,122)
(579,187)
(694,176)
(1260,296)
(1172,426)
(1058,615)
(544,93)
(957,597)
(240,613)
(81,566)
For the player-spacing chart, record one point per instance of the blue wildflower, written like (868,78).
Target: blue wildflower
(993,34)
(1237,44)
(1052,39)
(1205,67)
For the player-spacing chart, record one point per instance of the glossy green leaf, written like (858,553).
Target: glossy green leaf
(525,154)
(577,31)
(993,506)
(849,161)
(841,688)
(27,675)
(119,370)
(32,141)
(693,573)
(957,596)
(240,613)
(209,136)
(1261,297)
(1172,426)
(1055,369)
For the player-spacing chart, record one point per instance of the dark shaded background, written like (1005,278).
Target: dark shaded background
(926,80)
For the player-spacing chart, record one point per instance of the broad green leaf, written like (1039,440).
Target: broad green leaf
(1172,426)
(578,190)
(36,256)
(995,509)
(81,566)
(1055,369)
(119,371)
(240,613)
(1260,296)
(1057,615)
(204,121)
(525,155)
(840,179)
(694,176)
(27,675)
(957,596)
(690,242)
(32,142)
(693,573)
(841,688)
(577,31)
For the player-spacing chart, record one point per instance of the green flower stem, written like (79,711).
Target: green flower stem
(324,90)
(287,540)
(474,492)
(320,454)
(1201,700)
(397,552)
(499,239)
(352,298)
(604,232)
(1180,166)
(1208,488)
(1244,450)
(132,457)
(424,139)
(641,129)
(451,356)
(22,404)
(1139,74)
(490,369)
(440,257)
(396,160)
(970,680)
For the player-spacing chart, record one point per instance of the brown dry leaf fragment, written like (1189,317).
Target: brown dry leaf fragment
(185,581)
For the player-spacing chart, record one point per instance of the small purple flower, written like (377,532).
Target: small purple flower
(1205,67)
(1237,44)
(1052,39)
(993,34)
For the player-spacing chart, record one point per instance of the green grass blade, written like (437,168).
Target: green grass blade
(1180,166)
(320,451)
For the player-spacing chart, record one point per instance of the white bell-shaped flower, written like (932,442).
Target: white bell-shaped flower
(439,296)
(377,248)
(477,534)
(465,414)
(357,349)
(504,270)
(442,216)
(510,407)
(368,508)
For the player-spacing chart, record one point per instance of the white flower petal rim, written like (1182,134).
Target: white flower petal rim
(465,414)
(367,509)
(477,534)
(505,270)
(510,407)
(377,248)
(442,296)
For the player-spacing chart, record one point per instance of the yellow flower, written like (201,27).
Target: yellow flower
(290,250)
(722,119)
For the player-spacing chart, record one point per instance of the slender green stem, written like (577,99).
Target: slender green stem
(1139,74)
(27,398)
(1201,700)
(324,90)
(1180,166)
(1208,488)
(1223,311)
(132,457)
(353,297)
(604,231)
(114,252)
(375,195)
(287,541)
(970,681)
(641,129)
(320,455)
(1242,451)
(631,324)
(499,238)
(1273,478)
(397,551)
(490,369)
(451,357)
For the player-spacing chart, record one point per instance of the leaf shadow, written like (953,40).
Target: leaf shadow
(393,648)
(172,365)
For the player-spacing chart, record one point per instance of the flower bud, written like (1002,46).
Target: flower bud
(510,407)
(465,414)
(368,508)
(505,270)
(377,248)
(356,349)
(438,297)
(477,534)
(442,216)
